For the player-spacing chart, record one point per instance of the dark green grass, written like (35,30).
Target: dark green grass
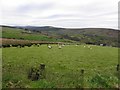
(63,66)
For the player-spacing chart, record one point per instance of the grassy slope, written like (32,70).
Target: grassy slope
(88,35)
(82,35)
(20,34)
(93,35)
(62,66)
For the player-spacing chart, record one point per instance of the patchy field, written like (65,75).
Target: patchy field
(63,66)
(14,33)
(5,41)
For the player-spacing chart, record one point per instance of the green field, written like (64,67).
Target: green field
(63,66)
(15,33)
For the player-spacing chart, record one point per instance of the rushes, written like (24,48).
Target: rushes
(36,73)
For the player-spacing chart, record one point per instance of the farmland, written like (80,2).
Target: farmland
(63,66)
(78,64)
(94,36)
(15,33)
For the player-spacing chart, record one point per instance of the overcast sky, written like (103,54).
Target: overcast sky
(62,13)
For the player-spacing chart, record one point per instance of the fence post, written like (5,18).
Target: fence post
(42,70)
(82,78)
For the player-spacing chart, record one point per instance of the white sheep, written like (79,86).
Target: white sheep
(10,45)
(49,47)
(63,45)
(90,48)
(59,47)
(101,44)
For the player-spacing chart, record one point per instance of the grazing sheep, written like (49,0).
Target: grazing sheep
(90,48)
(49,46)
(101,44)
(10,45)
(60,47)
(33,45)
(84,46)
(38,45)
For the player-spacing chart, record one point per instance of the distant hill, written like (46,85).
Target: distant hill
(81,35)
(20,33)
(71,31)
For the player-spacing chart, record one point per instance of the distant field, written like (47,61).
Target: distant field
(95,36)
(14,33)
(63,66)
(5,41)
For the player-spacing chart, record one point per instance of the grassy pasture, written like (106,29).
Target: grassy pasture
(14,33)
(62,66)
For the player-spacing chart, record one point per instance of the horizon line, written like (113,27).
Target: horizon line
(60,26)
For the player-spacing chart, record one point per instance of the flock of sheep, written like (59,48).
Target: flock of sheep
(60,46)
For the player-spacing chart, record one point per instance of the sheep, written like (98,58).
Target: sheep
(89,47)
(49,46)
(60,47)
(38,45)
(101,44)
(84,46)
(10,45)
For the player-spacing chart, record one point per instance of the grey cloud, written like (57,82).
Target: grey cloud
(93,14)
(57,16)
(34,6)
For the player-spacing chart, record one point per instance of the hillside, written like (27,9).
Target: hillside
(82,35)
(94,36)
(16,33)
